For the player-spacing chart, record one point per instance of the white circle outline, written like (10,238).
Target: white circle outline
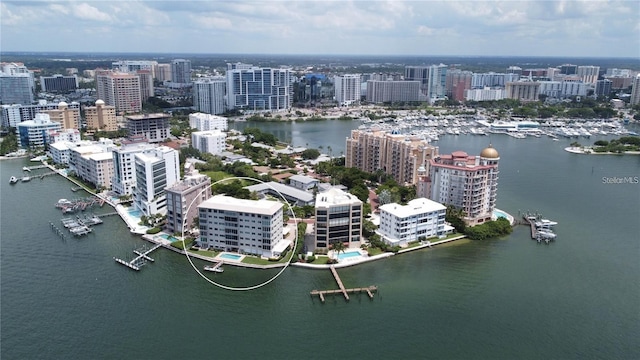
(253,287)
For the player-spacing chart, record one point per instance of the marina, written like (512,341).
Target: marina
(139,261)
(541,229)
(74,205)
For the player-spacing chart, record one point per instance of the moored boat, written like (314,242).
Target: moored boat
(13,180)
(214,268)
(25,179)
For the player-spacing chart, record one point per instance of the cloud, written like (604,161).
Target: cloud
(85,11)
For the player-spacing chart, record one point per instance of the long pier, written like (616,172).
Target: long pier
(140,260)
(369,290)
(532,225)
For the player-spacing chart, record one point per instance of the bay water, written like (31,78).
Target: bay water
(506,298)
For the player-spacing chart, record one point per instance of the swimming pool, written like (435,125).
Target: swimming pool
(230,256)
(168,237)
(347,255)
(500,214)
(135,213)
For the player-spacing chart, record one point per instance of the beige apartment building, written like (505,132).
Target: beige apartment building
(68,117)
(101,117)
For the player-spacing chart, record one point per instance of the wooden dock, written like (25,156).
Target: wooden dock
(344,291)
(140,260)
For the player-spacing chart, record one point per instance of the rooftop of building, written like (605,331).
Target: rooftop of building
(413,207)
(303,179)
(335,196)
(286,190)
(227,203)
(147,116)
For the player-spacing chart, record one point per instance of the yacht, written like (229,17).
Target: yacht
(25,179)
(13,180)
(214,268)
(545,224)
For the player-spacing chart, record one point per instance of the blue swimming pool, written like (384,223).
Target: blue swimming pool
(135,213)
(168,237)
(230,256)
(500,214)
(347,255)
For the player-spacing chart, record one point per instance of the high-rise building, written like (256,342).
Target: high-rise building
(437,82)
(146,84)
(93,163)
(58,83)
(418,73)
(603,87)
(132,66)
(244,226)
(635,91)
(211,141)
(457,82)
(486,94)
(259,88)
(209,94)
(393,91)
(100,117)
(154,127)
(491,79)
(338,219)
(420,218)
(522,90)
(206,122)
(14,114)
(34,133)
(119,89)
(347,89)
(163,72)
(514,70)
(16,88)
(68,117)
(124,175)
(469,183)
(568,69)
(588,74)
(183,199)
(181,71)
(156,170)
(397,155)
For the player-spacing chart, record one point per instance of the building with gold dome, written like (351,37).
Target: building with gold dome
(101,117)
(468,182)
(69,117)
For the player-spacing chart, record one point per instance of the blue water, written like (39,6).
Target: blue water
(347,255)
(135,213)
(168,237)
(230,256)
(499,213)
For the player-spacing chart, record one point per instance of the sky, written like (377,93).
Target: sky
(472,28)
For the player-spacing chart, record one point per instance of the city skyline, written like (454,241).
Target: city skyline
(428,28)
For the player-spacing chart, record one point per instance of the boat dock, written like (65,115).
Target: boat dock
(344,291)
(71,206)
(29,168)
(541,229)
(140,260)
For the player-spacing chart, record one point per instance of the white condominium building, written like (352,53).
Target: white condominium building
(338,219)
(124,166)
(34,133)
(469,183)
(93,163)
(209,95)
(206,122)
(420,218)
(485,94)
(347,89)
(243,226)
(155,171)
(212,141)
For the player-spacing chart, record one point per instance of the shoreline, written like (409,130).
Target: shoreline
(588,150)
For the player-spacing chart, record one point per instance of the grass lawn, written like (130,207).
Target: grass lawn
(374,251)
(217,175)
(208,253)
(320,260)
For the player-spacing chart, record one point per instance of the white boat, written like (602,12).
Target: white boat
(13,180)
(25,179)
(26,169)
(545,224)
(547,234)
(214,268)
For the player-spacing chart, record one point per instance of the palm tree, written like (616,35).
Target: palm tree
(338,247)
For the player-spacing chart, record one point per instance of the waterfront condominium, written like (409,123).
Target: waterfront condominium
(155,171)
(100,117)
(205,122)
(255,88)
(397,155)
(93,163)
(34,133)
(69,117)
(245,226)
(347,89)
(183,199)
(420,218)
(154,127)
(124,168)
(392,91)
(338,219)
(469,183)
(212,141)
(119,89)
(209,94)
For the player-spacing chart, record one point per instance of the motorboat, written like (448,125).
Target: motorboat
(25,179)
(214,268)
(13,180)
(545,224)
